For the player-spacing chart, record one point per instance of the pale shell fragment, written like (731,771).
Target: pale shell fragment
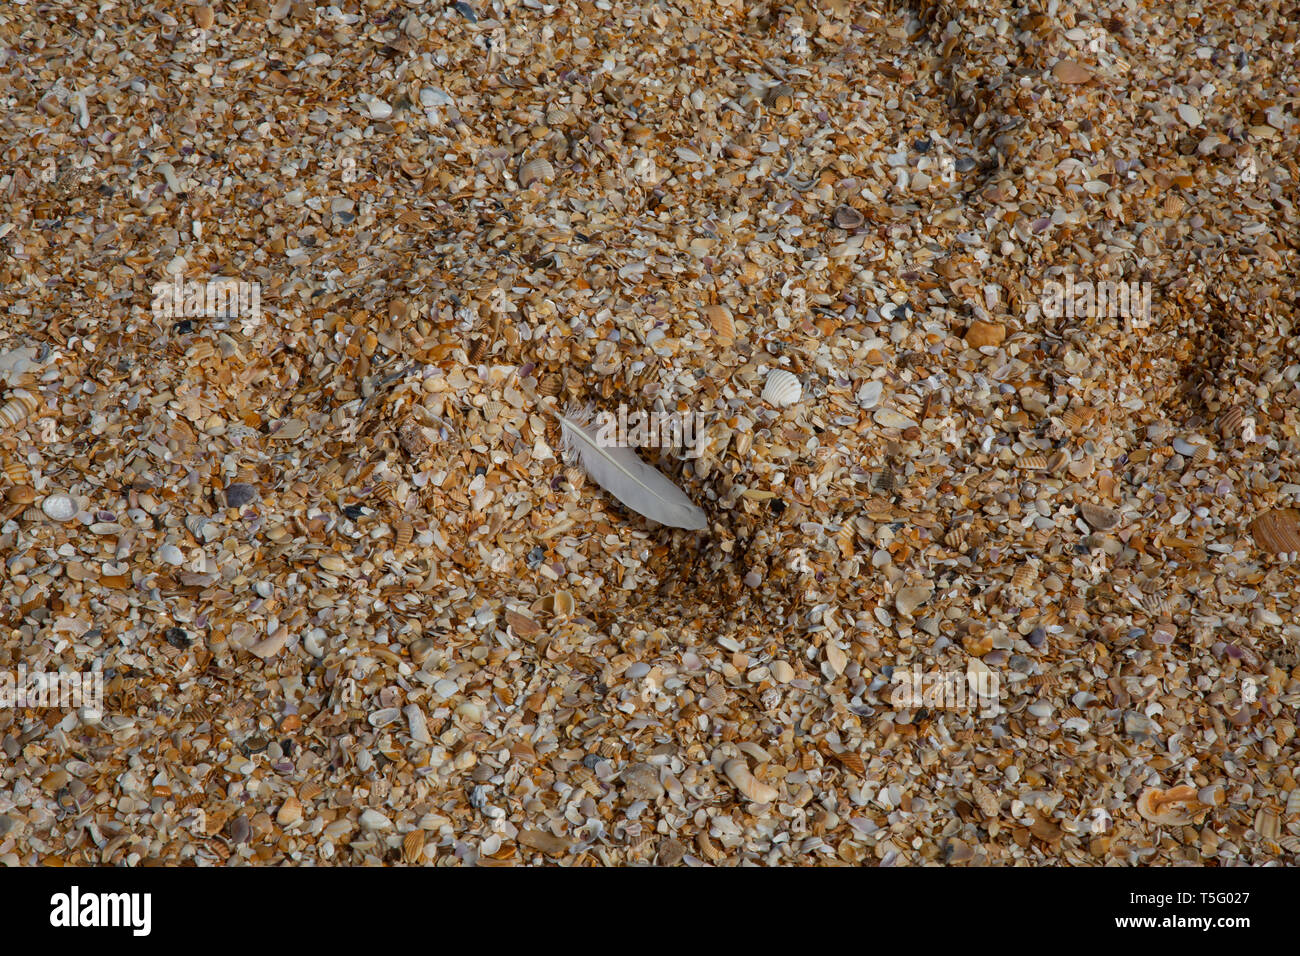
(536,171)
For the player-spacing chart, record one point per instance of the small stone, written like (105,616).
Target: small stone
(59,507)
(1071,72)
(981,334)
(240,493)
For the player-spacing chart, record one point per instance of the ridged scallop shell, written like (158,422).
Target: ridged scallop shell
(15,471)
(403,537)
(782,389)
(1278,531)
(15,411)
(723,323)
(1033,462)
(1228,424)
(1025,575)
(536,171)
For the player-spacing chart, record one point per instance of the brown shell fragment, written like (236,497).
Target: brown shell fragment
(1099,518)
(1174,807)
(1278,531)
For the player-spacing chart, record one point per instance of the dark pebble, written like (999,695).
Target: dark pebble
(239,494)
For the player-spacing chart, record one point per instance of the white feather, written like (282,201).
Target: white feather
(644,489)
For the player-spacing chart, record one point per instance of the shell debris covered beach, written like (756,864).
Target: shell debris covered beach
(987,311)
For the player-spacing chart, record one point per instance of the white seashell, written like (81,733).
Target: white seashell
(869,393)
(737,772)
(782,389)
(888,418)
(314,642)
(384,717)
(170,554)
(378,109)
(59,507)
(418,725)
(374,820)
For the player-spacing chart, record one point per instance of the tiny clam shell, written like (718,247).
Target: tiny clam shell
(751,788)
(1157,805)
(536,171)
(846,217)
(782,389)
(59,507)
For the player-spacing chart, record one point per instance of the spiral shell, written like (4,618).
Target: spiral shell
(782,389)
(16,411)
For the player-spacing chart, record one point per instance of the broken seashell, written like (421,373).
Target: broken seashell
(780,98)
(751,787)
(1278,531)
(1097,517)
(846,217)
(782,388)
(536,171)
(1158,807)
(723,323)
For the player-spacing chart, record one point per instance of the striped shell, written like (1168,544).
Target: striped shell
(1278,531)
(1025,576)
(16,411)
(403,538)
(536,171)
(1075,610)
(723,323)
(1033,462)
(1228,424)
(15,471)
(782,389)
